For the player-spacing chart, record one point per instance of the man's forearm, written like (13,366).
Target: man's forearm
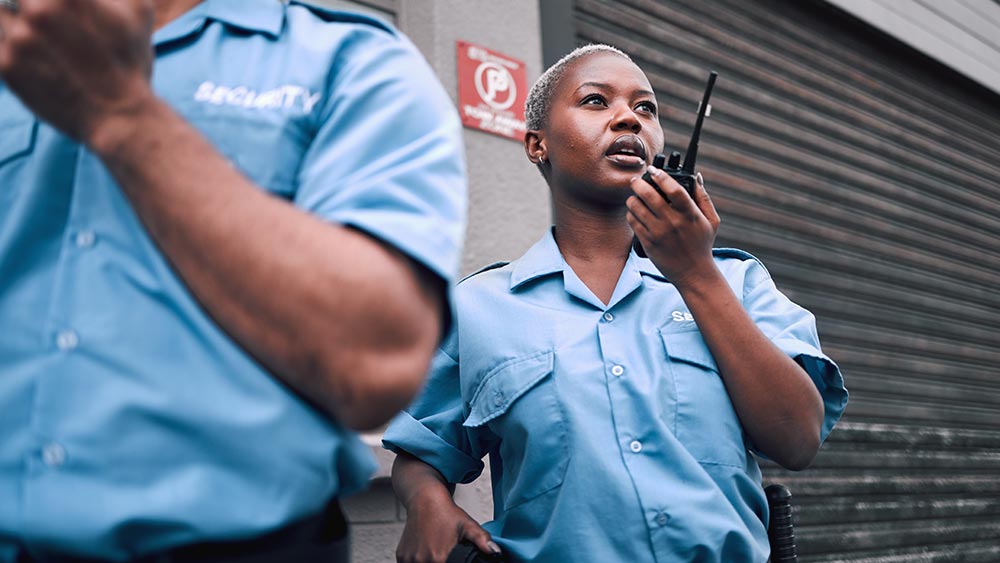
(341,318)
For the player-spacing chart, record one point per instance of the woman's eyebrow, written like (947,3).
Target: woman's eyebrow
(605,86)
(600,85)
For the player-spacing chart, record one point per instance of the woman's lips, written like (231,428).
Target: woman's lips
(627,160)
(627,151)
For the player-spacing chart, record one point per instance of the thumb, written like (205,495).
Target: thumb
(480,538)
(704,201)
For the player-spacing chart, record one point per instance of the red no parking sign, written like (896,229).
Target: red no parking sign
(491,91)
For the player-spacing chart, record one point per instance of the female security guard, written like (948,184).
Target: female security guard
(619,397)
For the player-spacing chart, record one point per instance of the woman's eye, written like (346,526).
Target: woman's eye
(647,107)
(594,100)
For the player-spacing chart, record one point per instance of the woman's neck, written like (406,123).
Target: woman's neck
(592,234)
(595,244)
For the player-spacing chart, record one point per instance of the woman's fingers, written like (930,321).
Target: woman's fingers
(476,534)
(704,202)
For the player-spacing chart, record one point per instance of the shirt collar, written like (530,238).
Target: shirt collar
(540,260)
(645,265)
(544,258)
(259,16)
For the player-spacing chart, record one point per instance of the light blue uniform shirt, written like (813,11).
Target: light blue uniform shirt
(610,433)
(129,422)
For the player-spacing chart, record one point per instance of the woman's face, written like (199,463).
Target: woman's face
(602,128)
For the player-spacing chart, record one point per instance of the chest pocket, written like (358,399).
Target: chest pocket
(266,148)
(519,402)
(706,421)
(17,128)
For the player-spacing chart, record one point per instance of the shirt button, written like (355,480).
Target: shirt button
(609,317)
(67,340)
(635,446)
(617,370)
(85,239)
(498,399)
(662,519)
(53,455)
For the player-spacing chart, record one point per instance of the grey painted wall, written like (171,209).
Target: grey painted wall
(508,207)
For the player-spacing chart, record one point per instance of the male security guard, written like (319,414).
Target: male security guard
(210,277)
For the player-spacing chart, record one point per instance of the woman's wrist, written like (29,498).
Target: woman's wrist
(431,495)
(704,278)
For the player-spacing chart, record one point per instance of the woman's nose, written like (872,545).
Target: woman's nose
(625,119)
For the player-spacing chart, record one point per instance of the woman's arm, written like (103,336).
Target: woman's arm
(434,523)
(777,402)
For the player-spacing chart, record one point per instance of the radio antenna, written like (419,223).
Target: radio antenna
(703,110)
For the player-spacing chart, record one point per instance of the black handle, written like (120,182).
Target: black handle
(780,532)
(466,552)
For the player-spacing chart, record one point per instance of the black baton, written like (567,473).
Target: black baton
(466,552)
(780,533)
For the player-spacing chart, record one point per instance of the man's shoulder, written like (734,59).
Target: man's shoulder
(329,15)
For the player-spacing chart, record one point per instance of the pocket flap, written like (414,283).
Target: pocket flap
(505,384)
(16,139)
(689,347)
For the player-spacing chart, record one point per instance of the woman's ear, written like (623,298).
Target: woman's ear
(534,147)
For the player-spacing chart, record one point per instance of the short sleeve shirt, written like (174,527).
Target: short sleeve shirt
(610,433)
(129,421)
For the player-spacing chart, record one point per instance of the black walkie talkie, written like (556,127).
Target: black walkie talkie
(683,174)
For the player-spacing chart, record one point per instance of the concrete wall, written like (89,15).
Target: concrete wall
(508,208)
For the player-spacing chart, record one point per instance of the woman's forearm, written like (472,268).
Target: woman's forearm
(774,397)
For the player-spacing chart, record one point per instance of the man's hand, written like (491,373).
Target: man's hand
(79,64)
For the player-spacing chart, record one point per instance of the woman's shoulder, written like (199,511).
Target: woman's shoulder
(735,253)
(492,279)
(738,262)
(487,268)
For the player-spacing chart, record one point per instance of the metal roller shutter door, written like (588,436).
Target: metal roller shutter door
(866,177)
